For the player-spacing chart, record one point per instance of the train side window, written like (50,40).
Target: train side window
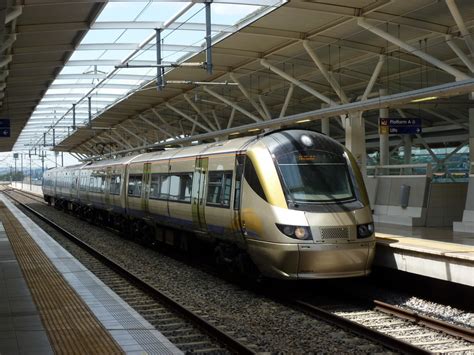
(185,186)
(164,187)
(154,186)
(174,187)
(92,183)
(251,176)
(101,184)
(180,187)
(219,188)
(135,185)
(115,183)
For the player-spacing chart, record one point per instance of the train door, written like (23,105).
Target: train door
(238,229)
(146,186)
(108,197)
(197,194)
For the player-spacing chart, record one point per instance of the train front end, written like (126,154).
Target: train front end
(315,220)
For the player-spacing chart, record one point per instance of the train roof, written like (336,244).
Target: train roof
(220,147)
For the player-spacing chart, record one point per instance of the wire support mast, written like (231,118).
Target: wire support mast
(160,72)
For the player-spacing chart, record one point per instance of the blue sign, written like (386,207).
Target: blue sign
(4,127)
(4,123)
(400,126)
(4,132)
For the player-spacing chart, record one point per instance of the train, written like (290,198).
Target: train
(286,204)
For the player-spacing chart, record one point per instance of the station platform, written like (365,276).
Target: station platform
(50,303)
(438,252)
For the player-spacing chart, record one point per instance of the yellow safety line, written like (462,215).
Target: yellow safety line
(72,328)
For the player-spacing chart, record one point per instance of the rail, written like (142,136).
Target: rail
(381,338)
(233,344)
(436,324)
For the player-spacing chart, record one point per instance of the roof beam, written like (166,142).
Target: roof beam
(232,104)
(131,46)
(461,25)
(445,90)
(151,25)
(409,48)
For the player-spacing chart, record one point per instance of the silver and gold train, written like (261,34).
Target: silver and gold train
(290,203)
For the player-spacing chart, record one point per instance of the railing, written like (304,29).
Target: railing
(401,170)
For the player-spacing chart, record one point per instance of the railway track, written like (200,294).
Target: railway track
(393,327)
(189,331)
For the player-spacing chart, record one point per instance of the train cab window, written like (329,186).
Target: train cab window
(312,168)
(219,188)
(251,176)
(115,183)
(135,185)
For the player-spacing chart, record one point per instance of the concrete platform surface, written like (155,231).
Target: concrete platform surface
(446,255)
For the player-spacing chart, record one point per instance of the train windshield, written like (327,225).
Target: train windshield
(313,169)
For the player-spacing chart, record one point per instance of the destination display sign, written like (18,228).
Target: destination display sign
(4,127)
(400,126)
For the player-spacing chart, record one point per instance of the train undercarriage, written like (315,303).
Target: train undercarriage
(226,255)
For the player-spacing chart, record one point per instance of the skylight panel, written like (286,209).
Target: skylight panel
(121,11)
(116,34)
(161,11)
(101,36)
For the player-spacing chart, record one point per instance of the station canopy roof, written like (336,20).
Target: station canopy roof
(270,59)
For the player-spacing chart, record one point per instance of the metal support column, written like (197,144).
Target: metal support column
(407,145)
(208,38)
(29,155)
(160,71)
(384,143)
(89,104)
(21,167)
(73,117)
(471,131)
(325,127)
(355,139)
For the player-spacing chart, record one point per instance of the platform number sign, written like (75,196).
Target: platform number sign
(400,126)
(4,127)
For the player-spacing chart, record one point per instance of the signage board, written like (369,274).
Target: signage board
(400,126)
(4,127)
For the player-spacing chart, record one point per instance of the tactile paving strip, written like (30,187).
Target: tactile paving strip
(71,327)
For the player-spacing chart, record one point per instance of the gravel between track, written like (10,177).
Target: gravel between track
(271,326)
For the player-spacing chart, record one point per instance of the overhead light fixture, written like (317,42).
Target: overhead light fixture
(429,98)
(303,121)
(233,134)
(254,130)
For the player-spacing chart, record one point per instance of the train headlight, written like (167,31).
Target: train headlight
(296,232)
(365,230)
